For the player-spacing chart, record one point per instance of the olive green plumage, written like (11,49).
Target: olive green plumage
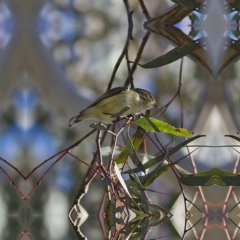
(115,100)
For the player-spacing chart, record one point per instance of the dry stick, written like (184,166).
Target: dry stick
(113,150)
(98,142)
(231,187)
(113,136)
(180,159)
(101,212)
(87,179)
(12,183)
(23,233)
(200,191)
(10,165)
(235,232)
(150,138)
(128,80)
(125,49)
(164,108)
(185,204)
(226,228)
(130,29)
(160,144)
(115,69)
(124,52)
(192,227)
(138,56)
(179,95)
(44,174)
(194,200)
(234,195)
(122,136)
(89,166)
(114,146)
(144,9)
(185,198)
(62,151)
(175,171)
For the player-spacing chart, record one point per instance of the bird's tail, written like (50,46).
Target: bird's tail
(74,120)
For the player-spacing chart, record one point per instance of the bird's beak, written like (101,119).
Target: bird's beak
(155,105)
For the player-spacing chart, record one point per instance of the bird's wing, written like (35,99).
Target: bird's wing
(107,94)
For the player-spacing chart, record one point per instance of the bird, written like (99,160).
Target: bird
(120,100)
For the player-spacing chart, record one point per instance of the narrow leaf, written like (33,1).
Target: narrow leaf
(136,140)
(149,178)
(163,156)
(133,154)
(118,173)
(155,125)
(159,159)
(214,176)
(172,56)
(234,137)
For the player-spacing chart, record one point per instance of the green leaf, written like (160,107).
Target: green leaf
(139,215)
(234,137)
(145,228)
(163,156)
(159,159)
(155,125)
(110,212)
(136,140)
(159,211)
(214,176)
(149,178)
(132,154)
(172,56)
(138,192)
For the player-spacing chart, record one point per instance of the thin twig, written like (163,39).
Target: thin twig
(89,176)
(179,94)
(138,56)
(144,9)
(130,29)
(63,151)
(125,49)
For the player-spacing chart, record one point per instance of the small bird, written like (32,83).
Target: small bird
(120,100)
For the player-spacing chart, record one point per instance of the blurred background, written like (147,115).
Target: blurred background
(58,56)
